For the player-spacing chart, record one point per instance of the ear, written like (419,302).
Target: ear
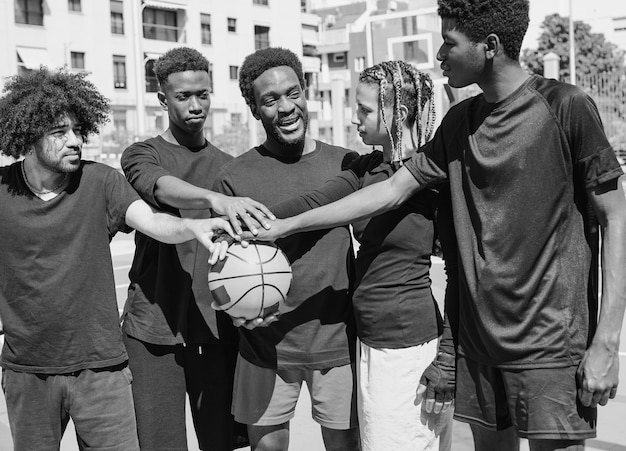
(162,100)
(254,111)
(492,46)
(404,113)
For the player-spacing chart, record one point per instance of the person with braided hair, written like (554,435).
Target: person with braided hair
(533,182)
(398,321)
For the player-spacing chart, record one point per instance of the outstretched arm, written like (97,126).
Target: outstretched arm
(598,372)
(173,230)
(364,203)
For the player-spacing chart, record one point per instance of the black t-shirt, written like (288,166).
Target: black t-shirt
(168,298)
(57,292)
(518,174)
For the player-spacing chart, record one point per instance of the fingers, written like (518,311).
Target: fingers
(446,405)
(256,322)
(421,389)
(232,217)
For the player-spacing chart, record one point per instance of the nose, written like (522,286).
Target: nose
(285,105)
(355,119)
(73,139)
(441,54)
(194,105)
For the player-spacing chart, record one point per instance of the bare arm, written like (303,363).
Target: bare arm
(364,203)
(180,194)
(173,230)
(599,369)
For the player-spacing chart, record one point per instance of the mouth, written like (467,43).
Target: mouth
(195,119)
(289,124)
(445,68)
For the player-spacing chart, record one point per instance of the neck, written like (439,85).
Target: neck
(408,145)
(501,83)
(289,151)
(175,135)
(39,179)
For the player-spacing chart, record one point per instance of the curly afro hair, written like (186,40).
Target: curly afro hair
(479,18)
(179,59)
(33,102)
(260,61)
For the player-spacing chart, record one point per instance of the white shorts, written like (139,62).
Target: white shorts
(389,418)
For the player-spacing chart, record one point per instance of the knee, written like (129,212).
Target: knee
(341,440)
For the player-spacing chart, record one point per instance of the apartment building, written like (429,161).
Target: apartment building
(117,42)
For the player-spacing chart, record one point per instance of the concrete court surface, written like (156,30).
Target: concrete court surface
(305,433)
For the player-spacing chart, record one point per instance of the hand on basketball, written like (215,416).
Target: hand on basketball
(437,384)
(205,230)
(597,376)
(243,208)
(256,322)
(277,229)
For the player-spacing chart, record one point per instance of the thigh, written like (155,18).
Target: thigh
(481,397)
(101,407)
(261,397)
(544,404)
(36,410)
(333,396)
(209,372)
(388,412)
(158,387)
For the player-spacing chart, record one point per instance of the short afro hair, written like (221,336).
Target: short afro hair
(479,18)
(33,103)
(179,59)
(260,61)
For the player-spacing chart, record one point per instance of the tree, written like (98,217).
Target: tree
(594,54)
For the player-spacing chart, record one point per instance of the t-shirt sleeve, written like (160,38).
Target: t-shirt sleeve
(142,167)
(334,189)
(593,157)
(429,164)
(119,195)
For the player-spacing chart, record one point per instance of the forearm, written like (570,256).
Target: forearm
(162,227)
(613,300)
(179,194)
(369,201)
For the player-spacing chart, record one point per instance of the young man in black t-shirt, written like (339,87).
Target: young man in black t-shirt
(177,344)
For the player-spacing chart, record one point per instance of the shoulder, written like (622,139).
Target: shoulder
(361,164)
(218,153)
(557,93)
(241,163)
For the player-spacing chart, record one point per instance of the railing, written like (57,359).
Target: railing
(161,32)
(608,90)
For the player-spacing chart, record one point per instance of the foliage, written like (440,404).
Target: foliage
(594,54)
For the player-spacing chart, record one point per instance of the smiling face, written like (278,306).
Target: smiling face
(59,150)
(280,105)
(185,96)
(462,60)
(368,118)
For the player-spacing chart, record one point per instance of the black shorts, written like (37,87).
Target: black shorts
(540,403)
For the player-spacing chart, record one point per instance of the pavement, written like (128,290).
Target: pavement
(305,433)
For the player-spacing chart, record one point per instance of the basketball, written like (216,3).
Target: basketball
(250,282)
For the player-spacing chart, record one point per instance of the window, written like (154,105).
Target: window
(119,72)
(119,120)
(77,60)
(211,77)
(22,69)
(339,57)
(74,5)
(29,12)
(261,37)
(619,23)
(152,84)
(233,72)
(160,24)
(205,28)
(359,63)
(235,119)
(117,17)
(260,2)
(231,24)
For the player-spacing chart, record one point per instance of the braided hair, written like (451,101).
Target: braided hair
(399,84)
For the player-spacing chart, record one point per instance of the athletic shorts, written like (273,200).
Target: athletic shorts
(389,417)
(541,403)
(268,397)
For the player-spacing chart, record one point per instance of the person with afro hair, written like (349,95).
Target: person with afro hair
(533,182)
(313,339)
(178,345)
(63,355)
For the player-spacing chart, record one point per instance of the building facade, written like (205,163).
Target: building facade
(117,42)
